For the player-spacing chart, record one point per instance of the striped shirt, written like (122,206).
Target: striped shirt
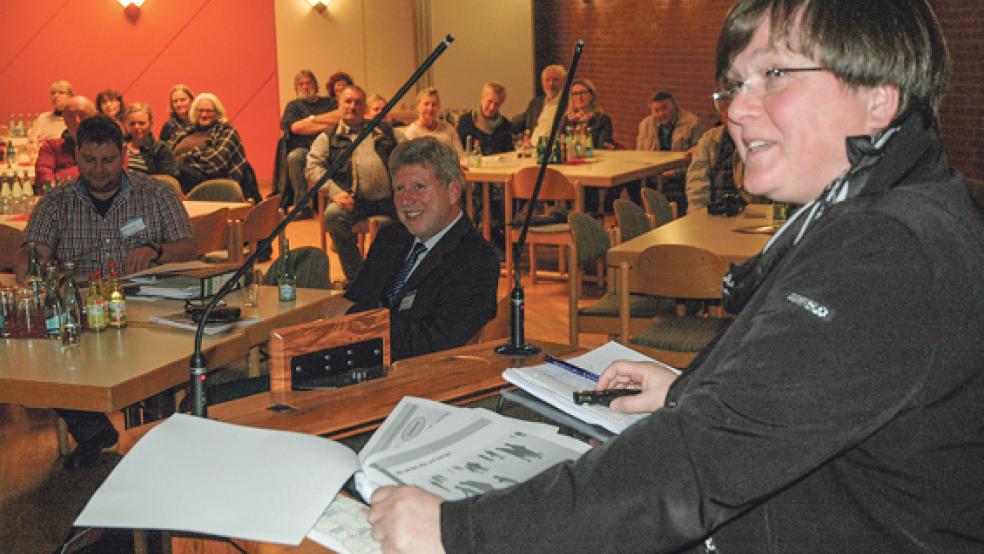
(67,222)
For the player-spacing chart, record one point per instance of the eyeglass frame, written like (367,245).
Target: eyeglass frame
(720,95)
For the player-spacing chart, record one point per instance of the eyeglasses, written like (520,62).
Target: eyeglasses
(206,110)
(760,85)
(581,93)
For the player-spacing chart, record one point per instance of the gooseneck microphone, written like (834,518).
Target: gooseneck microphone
(517,345)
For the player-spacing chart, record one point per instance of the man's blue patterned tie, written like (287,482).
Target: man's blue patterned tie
(401,279)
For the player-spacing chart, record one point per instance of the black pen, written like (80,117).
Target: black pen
(602,397)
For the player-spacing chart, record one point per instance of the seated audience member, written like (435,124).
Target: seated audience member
(361,188)
(715,168)
(144,154)
(337,82)
(375,104)
(210,149)
(434,272)
(304,118)
(179,100)
(427,123)
(584,114)
(539,113)
(841,410)
(109,102)
(491,129)
(56,157)
(669,128)
(51,124)
(88,222)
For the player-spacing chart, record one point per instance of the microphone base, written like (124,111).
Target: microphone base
(517,350)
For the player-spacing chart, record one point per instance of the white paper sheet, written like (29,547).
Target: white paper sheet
(344,528)
(204,476)
(556,386)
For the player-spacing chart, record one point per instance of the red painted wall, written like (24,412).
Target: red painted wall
(227,47)
(634,47)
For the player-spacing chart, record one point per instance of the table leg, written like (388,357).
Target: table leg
(487,212)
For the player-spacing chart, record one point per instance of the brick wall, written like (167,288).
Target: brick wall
(635,47)
(962,115)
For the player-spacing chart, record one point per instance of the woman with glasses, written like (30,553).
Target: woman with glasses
(841,410)
(211,148)
(584,115)
(179,99)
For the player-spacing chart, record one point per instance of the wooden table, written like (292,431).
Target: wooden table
(114,369)
(698,228)
(457,376)
(716,234)
(610,168)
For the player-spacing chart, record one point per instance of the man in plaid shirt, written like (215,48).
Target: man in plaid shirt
(106,215)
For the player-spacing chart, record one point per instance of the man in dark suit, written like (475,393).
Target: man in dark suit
(435,272)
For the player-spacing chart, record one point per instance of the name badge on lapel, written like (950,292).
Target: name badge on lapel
(132,226)
(407,301)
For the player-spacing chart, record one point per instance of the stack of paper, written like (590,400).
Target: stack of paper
(204,476)
(556,386)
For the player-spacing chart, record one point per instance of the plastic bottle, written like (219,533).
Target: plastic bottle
(54,309)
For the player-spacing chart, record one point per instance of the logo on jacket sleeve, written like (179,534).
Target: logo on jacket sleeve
(817,309)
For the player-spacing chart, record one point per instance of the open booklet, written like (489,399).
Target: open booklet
(204,476)
(556,386)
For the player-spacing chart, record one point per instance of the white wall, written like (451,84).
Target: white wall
(372,40)
(493,41)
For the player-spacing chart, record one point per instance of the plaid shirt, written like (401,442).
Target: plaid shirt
(222,155)
(67,222)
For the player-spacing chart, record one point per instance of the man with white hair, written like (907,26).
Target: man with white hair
(540,112)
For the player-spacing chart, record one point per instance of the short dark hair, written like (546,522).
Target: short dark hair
(661,95)
(869,43)
(99,129)
(430,153)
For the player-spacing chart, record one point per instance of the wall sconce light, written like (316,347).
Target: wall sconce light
(133,3)
(319,5)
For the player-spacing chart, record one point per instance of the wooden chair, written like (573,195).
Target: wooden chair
(310,268)
(217,190)
(590,244)
(660,210)
(555,188)
(171,182)
(632,220)
(10,245)
(211,231)
(498,328)
(256,226)
(365,230)
(682,272)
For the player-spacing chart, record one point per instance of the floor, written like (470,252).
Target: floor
(39,500)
